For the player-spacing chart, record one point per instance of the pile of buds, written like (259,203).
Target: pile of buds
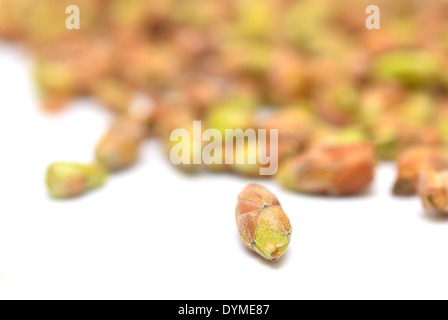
(342,96)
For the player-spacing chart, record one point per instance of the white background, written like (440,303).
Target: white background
(154,233)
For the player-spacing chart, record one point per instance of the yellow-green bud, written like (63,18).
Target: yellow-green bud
(262,223)
(68,180)
(408,67)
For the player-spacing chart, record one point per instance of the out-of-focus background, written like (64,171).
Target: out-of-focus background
(157,232)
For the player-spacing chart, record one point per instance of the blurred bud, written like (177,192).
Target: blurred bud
(119,147)
(172,113)
(339,104)
(54,101)
(200,93)
(288,76)
(415,161)
(337,171)
(67,180)
(331,137)
(237,113)
(295,126)
(255,19)
(433,191)
(247,163)
(411,68)
(54,76)
(245,59)
(114,94)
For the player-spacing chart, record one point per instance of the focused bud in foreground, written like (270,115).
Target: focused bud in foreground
(337,171)
(433,190)
(262,223)
(413,162)
(68,180)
